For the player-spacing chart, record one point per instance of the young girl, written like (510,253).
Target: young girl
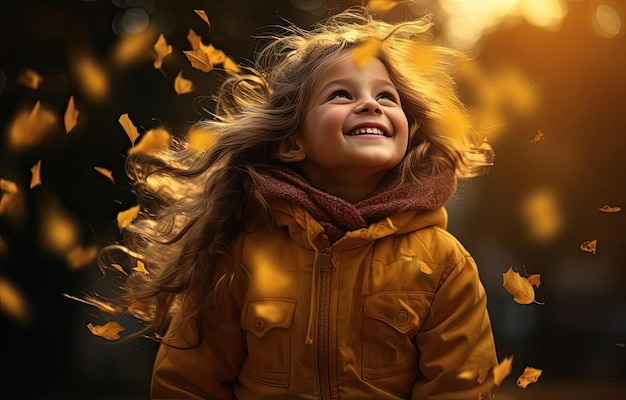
(305,255)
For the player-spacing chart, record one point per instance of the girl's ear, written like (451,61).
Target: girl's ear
(290,150)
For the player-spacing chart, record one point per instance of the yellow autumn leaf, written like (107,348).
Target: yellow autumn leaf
(70,118)
(201,139)
(199,60)
(365,51)
(231,66)
(132,48)
(182,85)
(162,50)
(127,216)
(194,39)
(530,375)
(79,257)
(29,78)
(589,246)
(119,268)
(13,303)
(202,14)
(35,171)
(141,267)
(106,172)
(129,128)
(59,230)
(92,76)
(538,137)
(521,290)
(382,5)
(216,56)
(608,209)
(100,305)
(502,370)
(109,331)
(30,126)
(151,142)
(8,190)
(534,280)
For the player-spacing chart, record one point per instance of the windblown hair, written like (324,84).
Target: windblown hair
(194,203)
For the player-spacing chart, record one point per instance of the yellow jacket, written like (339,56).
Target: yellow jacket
(392,311)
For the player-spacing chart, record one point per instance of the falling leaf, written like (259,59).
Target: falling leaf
(530,375)
(194,39)
(71,115)
(502,370)
(534,280)
(382,5)
(92,76)
(100,305)
(79,257)
(59,230)
(199,60)
(202,14)
(608,209)
(589,246)
(36,174)
(521,290)
(109,331)
(127,216)
(231,66)
(119,268)
(538,137)
(30,126)
(162,50)
(106,172)
(133,48)
(216,56)
(129,128)
(29,78)
(182,85)
(13,303)
(201,139)
(141,268)
(365,51)
(8,190)
(543,213)
(151,142)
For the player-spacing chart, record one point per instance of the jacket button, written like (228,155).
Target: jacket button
(402,317)
(259,324)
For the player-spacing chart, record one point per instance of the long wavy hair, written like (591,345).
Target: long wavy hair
(194,203)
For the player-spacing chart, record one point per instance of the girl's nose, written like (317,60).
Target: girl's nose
(370,106)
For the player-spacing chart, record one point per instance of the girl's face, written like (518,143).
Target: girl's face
(354,128)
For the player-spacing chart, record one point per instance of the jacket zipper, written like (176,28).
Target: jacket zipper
(323,347)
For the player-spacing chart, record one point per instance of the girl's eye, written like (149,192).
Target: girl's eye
(339,94)
(386,96)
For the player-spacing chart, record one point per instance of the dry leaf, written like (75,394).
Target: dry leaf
(119,268)
(530,375)
(30,126)
(105,172)
(608,209)
(92,76)
(127,216)
(141,268)
(182,85)
(71,115)
(100,305)
(13,303)
(162,50)
(215,55)
(231,66)
(29,78)
(364,52)
(382,5)
(202,14)
(129,128)
(79,257)
(59,231)
(36,174)
(8,190)
(151,142)
(502,370)
(534,280)
(538,137)
(521,290)
(589,246)
(199,60)
(194,39)
(201,139)
(109,331)
(133,48)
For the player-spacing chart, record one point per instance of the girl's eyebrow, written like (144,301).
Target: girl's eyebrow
(351,81)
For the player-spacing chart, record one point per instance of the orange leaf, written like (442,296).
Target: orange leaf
(29,127)
(129,128)
(538,137)
(126,217)
(79,257)
(502,370)
(589,246)
(608,209)
(8,190)
(71,115)
(109,331)
(119,268)
(201,139)
(131,48)
(141,268)
(216,56)
(194,39)
(105,172)
(162,50)
(13,302)
(92,76)
(231,66)
(199,60)
(534,280)
(530,375)
(520,288)
(29,78)
(202,14)
(151,142)
(382,5)
(182,85)
(365,51)
(36,174)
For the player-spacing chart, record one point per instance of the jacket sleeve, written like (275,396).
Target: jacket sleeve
(456,342)
(206,371)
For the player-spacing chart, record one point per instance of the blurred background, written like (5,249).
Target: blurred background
(546,85)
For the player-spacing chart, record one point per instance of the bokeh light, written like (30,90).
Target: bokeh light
(606,21)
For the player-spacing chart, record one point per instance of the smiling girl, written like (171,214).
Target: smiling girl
(305,254)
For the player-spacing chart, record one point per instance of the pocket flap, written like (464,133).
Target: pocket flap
(261,315)
(402,311)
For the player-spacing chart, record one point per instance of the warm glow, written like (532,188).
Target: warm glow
(542,214)
(606,21)
(547,14)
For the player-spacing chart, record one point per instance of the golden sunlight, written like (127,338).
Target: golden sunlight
(547,14)
(606,21)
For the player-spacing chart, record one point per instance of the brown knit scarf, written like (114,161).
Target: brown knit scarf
(338,216)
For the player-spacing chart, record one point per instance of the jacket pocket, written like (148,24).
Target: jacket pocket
(391,321)
(267,323)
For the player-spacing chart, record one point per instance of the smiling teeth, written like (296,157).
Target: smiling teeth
(371,131)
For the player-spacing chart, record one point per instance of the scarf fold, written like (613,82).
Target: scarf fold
(339,216)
